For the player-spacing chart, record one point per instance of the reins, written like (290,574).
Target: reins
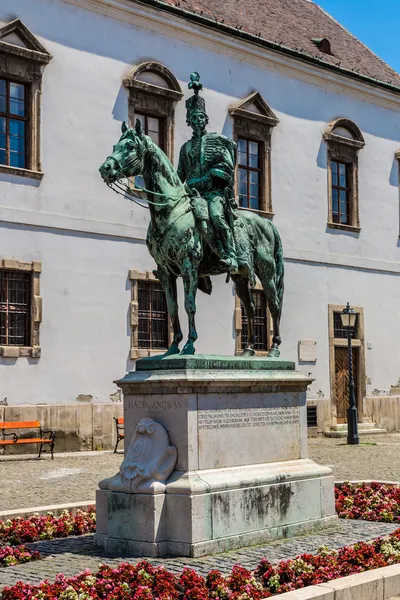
(124,190)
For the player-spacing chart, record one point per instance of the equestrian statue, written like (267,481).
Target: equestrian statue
(196,229)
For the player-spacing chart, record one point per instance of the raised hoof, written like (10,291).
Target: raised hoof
(248,352)
(188,349)
(274,353)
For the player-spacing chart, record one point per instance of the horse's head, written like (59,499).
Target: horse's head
(126,159)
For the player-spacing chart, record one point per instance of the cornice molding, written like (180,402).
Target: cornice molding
(175,27)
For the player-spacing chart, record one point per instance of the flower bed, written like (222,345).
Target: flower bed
(14,556)
(147,582)
(369,501)
(46,527)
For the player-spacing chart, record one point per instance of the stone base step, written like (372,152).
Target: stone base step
(361,426)
(340,431)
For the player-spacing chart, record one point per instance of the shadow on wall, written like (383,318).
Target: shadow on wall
(394,177)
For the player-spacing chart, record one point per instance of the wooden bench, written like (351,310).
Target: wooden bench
(119,422)
(7,426)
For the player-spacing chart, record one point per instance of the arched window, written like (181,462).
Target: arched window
(344,140)
(153,93)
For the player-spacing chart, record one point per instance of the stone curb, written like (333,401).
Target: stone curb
(378,584)
(78,454)
(43,510)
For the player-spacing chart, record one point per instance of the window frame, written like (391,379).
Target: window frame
(345,150)
(154,101)
(36,308)
(25,119)
(135,351)
(25,65)
(249,170)
(257,127)
(347,189)
(238,324)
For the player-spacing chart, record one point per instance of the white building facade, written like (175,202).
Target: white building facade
(84,66)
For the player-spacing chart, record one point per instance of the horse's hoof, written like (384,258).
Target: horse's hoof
(274,353)
(248,352)
(172,351)
(188,349)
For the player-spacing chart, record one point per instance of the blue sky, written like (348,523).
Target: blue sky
(375,22)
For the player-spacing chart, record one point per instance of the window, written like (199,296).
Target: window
(20,308)
(344,140)
(153,127)
(15,308)
(151,329)
(152,316)
(250,174)
(20,92)
(13,122)
(253,121)
(341,192)
(312,416)
(262,323)
(153,93)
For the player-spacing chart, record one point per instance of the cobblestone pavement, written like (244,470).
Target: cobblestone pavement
(377,457)
(27,482)
(73,555)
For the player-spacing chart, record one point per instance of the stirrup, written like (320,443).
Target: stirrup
(231,264)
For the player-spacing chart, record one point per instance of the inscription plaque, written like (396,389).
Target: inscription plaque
(249,417)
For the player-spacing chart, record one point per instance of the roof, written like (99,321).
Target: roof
(290,25)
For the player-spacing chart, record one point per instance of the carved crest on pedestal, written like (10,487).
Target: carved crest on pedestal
(148,463)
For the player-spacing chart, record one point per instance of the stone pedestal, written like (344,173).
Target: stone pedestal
(242,474)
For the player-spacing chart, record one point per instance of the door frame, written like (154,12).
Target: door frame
(342,342)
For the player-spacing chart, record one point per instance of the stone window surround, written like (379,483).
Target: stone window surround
(344,149)
(25,65)
(34,349)
(135,351)
(356,343)
(153,100)
(237,324)
(256,126)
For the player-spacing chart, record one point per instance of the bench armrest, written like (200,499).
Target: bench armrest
(13,435)
(51,433)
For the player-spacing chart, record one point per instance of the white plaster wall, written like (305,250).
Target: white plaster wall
(84,334)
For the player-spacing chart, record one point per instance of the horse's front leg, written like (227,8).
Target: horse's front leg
(168,282)
(190,279)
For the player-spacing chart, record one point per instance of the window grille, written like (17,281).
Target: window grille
(311,416)
(339,331)
(15,308)
(260,322)
(13,124)
(341,192)
(250,173)
(152,316)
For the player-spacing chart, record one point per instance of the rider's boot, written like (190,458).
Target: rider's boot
(229,258)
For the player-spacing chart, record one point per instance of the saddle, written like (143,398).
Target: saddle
(199,208)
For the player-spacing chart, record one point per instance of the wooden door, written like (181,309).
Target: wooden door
(342,381)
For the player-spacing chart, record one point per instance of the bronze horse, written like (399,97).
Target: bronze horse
(178,247)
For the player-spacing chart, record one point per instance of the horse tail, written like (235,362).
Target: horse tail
(279,266)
